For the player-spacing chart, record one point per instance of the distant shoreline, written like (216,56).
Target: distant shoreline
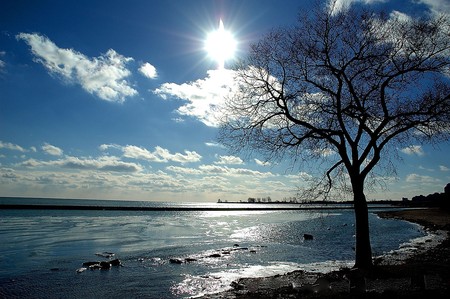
(257,207)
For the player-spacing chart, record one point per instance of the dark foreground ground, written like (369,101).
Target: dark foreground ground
(422,275)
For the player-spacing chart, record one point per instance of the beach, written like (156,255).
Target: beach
(423,273)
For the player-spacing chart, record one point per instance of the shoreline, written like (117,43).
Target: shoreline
(421,272)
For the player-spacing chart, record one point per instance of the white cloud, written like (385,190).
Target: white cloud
(399,16)
(103,76)
(230,160)
(437,6)
(208,99)
(262,163)
(31,163)
(300,177)
(184,170)
(187,157)
(426,168)
(325,152)
(11,146)
(135,152)
(224,170)
(105,147)
(336,6)
(52,150)
(443,168)
(178,119)
(413,150)
(148,70)
(104,163)
(2,63)
(214,144)
(203,96)
(416,178)
(160,154)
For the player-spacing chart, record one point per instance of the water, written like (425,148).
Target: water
(40,250)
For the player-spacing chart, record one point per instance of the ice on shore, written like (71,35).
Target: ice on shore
(414,246)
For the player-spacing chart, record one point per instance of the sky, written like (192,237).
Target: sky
(112,100)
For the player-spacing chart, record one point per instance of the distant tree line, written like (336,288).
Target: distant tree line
(431,200)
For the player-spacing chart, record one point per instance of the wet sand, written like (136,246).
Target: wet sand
(424,274)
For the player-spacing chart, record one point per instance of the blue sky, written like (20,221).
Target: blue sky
(111,100)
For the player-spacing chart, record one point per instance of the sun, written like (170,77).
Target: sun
(220,45)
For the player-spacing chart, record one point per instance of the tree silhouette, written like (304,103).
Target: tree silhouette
(345,88)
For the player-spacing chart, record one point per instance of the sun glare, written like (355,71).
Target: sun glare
(220,45)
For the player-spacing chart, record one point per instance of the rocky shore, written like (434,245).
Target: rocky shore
(423,274)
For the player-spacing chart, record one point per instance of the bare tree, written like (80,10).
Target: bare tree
(343,89)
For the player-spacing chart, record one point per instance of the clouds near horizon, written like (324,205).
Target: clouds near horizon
(233,160)
(108,172)
(103,163)
(11,146)
(160,155)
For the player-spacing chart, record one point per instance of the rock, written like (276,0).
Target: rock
(88,264)
(226,252)
(322,285)
(95,267)
(190,260)
(236,245)
(237,286)
(175,261)
(304,289)
(308,237)
(214,255)
(115,262)
(252,251)
(105,265)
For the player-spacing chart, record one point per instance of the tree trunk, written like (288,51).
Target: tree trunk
(363,257)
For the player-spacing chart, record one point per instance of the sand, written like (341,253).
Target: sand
(423,272)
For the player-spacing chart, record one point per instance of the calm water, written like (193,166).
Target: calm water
(40,250)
